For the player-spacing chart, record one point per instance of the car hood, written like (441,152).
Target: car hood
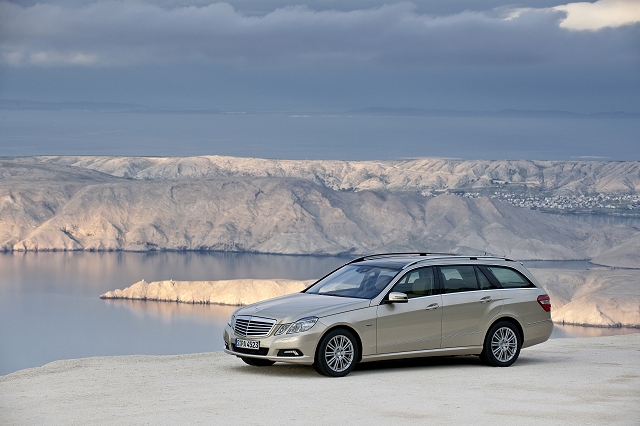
(292,307)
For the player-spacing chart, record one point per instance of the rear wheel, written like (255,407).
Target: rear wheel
(502,345)
(337,353)
(257,362)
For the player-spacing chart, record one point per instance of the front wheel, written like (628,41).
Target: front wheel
(257,362)
(502,345)
(337,354)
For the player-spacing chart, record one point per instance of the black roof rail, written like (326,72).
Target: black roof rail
(486,256)
(425,254)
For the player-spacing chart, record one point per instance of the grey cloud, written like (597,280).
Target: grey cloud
(111,33)
(263,7)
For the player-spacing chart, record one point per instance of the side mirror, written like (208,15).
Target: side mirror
(396,297)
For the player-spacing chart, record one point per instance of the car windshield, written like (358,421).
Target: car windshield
(364,281)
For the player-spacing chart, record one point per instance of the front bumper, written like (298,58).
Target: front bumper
(304,342)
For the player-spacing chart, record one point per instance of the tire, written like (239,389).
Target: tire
(501,345)
(257,362)
(337,353)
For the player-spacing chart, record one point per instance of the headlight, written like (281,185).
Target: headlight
(301,325)
(230,322)
(282,329)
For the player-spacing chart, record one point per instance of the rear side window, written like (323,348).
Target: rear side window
(458,278)
(484,282)
(509,278)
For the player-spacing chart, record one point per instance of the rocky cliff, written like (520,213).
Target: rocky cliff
(427,174)
(45,205)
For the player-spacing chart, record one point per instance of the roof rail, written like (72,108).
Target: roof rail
(425,254)
(378,255)
(463,256)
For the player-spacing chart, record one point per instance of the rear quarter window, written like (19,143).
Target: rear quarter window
(509,278)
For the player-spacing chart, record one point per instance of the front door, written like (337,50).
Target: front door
(415,325)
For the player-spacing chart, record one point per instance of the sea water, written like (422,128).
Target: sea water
(320,136)
(50,307)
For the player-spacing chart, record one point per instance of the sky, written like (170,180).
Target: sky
(324,55)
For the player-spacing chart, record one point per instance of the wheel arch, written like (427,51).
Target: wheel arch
(512,320)
(345,327)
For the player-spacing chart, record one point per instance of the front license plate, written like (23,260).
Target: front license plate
(247,344)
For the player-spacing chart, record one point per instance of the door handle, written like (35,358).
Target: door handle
(485,299)
(432,306)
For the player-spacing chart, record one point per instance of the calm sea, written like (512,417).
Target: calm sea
(297,136)
(50,307)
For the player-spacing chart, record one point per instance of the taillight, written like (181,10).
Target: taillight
(545,302)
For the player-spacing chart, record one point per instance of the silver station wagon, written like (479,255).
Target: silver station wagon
(394,306)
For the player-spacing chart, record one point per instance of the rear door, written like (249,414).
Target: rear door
(415,325)
(520,294)
(469,302)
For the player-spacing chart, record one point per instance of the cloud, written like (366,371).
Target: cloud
(601,14)
(122,33)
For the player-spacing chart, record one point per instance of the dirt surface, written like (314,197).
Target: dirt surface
(563,381)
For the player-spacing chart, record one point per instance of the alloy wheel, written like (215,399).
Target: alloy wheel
(339,353)
(504,344)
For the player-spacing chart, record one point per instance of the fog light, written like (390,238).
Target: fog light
(289,352)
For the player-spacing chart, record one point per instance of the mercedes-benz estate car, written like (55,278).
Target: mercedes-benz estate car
(394,306)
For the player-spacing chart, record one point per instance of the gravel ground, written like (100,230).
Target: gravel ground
(563,381)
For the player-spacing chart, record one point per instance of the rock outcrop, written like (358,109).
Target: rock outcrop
(601,298)
(226,292)
(625,255)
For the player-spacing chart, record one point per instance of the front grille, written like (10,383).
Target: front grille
(261,351)
(249,326)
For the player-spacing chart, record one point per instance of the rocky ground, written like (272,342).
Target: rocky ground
(582,381)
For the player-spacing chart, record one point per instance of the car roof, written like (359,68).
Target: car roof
(403,260)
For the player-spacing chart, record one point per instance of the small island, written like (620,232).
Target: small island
(224,292)
(595,298)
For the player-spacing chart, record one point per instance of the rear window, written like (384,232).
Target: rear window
(509,278)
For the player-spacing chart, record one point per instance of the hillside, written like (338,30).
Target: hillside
(49,206)
(420,175)
(599,297)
